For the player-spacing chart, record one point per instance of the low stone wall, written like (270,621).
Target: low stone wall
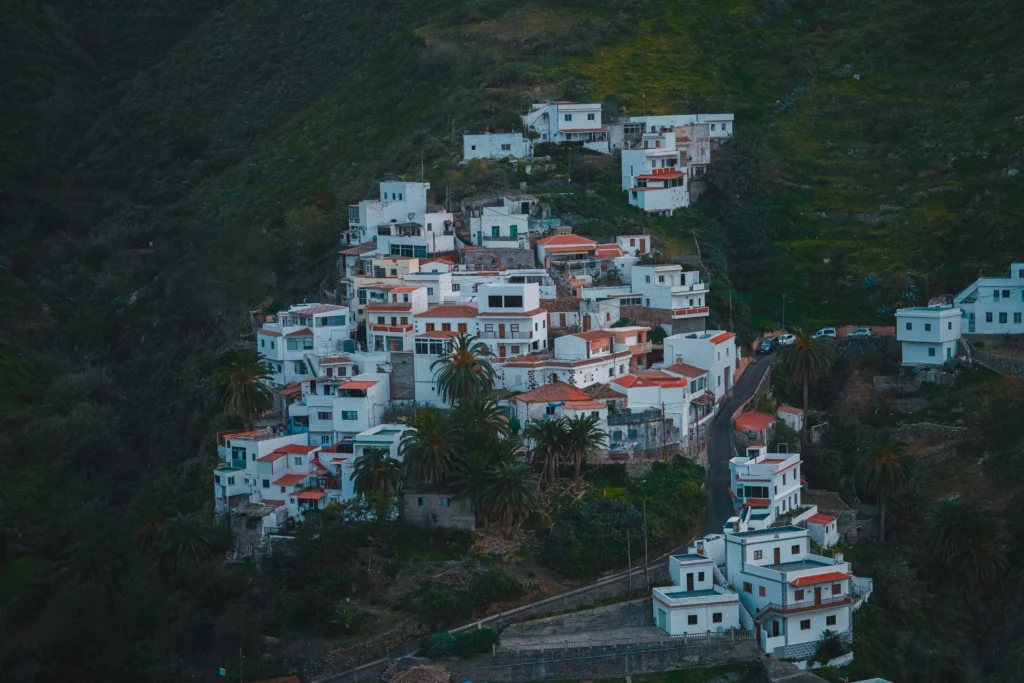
(632,613)
(1004,365)
(929,431)
(610,661)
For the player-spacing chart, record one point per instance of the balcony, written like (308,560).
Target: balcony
(353,215)
(642,347)
(390,328)
(690,312)
(505,335)
(804,606)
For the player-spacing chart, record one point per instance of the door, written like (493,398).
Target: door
(775,629)
(689,581)
(778,556)
(513,231)
(501,350)
(817,595)
(501,330)
(728,378)
(561,317)
(661,619)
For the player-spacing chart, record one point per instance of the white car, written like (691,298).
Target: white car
(860,333)
(786,339)
(824,332)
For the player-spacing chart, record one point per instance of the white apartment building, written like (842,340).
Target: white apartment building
(529,372)
(794,594)
(337,407)
(399,201)
(466,284)
(928,335)
(389,325)
(419,236)
(720,126)
(693,604)
(496,146)
(428,347)
(235,478)
(501,227)
(438,285)
(654,174)
(669,288)
(763,486)
(511,321)
(564,121)
(292,340)
(715,350)
(994,305)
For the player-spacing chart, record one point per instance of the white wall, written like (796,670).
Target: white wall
(916,353)
(496,146)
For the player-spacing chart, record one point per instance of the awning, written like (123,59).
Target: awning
(310,495)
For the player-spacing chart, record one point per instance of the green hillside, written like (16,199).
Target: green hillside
(168,166)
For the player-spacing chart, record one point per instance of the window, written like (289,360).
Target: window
(931,352)
(568,117)
(634,197)
(590,117)
(430,327)
(231,481)
(760,591)
(648,278)
(700,576)
(349,415)
(837,588)
(513,302)
(463,328)
(1006,294)
(325,439)
(266,483)
(216,479)
(758,554)
(446,327)
(272,345)
(747,588)
(712,127)
(691,619)
(795,550)
(716,617)
(988,317)
(505,147)
(514,329)
(949,325)
(910,326)
(282,489)
(1016,320)
(995,294)
(297,460)
(430,291)
(661,278)
(263,343)
(830,620)
(321,415)
(927,327)
(446,502)
(550,410)
(473,147)
(805,624)
(1002,318)
(421,501)
(799,594)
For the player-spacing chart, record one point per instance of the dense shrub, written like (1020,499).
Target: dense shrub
(494,585)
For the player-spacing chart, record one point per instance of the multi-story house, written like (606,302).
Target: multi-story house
(399,200)
(390,324)
(794,594)
(511,321)
(694,604)
(679,295)
(656,413)
(496,146)
(292,340)
(929,335)
(720,126)
(335,407)
(994,305)
(563,121)
(503,226)
(654,174)
(437,283)
(421,235)
(560,248)
(702,402)
(553,402)
(715,350)
(236,476)
(764,487)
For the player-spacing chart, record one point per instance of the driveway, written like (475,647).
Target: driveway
(720,448)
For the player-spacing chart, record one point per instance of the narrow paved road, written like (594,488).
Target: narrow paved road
(720,448)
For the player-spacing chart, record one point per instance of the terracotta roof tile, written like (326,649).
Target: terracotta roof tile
(585,405)
(304,332)
(819,578)
(596,391)
(594,335)
(820,519)
(790,409)
(725,336)
(686,370)
(566,241)
(754,421)
(449,311)
(558,391)
(291,479)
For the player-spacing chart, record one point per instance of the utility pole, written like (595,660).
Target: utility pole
(647,577)
(629,560)
(664,436)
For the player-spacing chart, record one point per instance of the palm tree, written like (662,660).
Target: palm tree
(960,536)
(240,378)
(376,472)
(584,437)
(429,449)
(474,471)
(550,442)
(465,372)
(186,541)
(480,419)
(510,495)
(807,360)
(883,471)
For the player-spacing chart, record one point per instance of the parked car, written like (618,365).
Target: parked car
(860,333)
(824,332)
(767,345)
(786,339)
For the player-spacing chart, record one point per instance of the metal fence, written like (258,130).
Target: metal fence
(623,645)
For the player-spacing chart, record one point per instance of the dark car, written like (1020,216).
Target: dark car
(768,345)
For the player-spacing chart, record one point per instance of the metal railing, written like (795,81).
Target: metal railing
(804,606)
(696,310)
(505,335)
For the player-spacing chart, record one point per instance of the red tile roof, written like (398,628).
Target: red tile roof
(820,519)
(685,369)
(296,448)
(553,392)
(289,391)
(272,503)
(566,240)
(754,421)
(358,384)
(570,249)
(585,405)
(319,308)
(291,479)
(790,409)
(514,314)
(304,332)
(602,391)
(594,335)
(310,495)
(449,311)
(719,338)
(662,176)
(758,502)
(661,378)
(271,457)
(269,333)
(820,578)
(405,289)
(630,381)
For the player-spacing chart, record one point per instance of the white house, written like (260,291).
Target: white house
(428,347)
(638,245)
(928,335)
(389,325)
(236,476)
(715,350)
(794,417)
(993,305)
(660,397)
(720,126)
(794,594)
(562,121)
(655,176)
(399,201)
(680,294)
(824,529)
(511,321)
(703,405)
(292,340)
(565,247)
(763,486)
(339,407)
(528,372)
(694,604)
(501,226)
(553,401)
(496,146)
(437,283)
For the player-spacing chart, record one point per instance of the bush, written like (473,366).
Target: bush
(475,641)
(829,647)
(494,585)
(437,605)
(437,645)
(347,620)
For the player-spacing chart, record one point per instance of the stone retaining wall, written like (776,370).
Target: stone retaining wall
(929,431)
(632,613)
(1004,365)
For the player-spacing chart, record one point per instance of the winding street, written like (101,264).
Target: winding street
(720,446)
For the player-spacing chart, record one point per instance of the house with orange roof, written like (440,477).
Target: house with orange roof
(755,427)
(656,414)
(715,350)
(337,407)
(390,324)
(764,486)
(561,248)
(291,341)
(372,286)
(236,477)
(679,296)
(654,174)
(553,402)
(792,416)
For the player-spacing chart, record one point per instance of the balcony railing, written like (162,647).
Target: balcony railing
(505,335)
(502,238)
(641,347)
(390,328)
(698,310)
(804,606)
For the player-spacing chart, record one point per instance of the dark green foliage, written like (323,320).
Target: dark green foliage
(437,605)
(475,641)
(494,585)
(437,645)
(590,537)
